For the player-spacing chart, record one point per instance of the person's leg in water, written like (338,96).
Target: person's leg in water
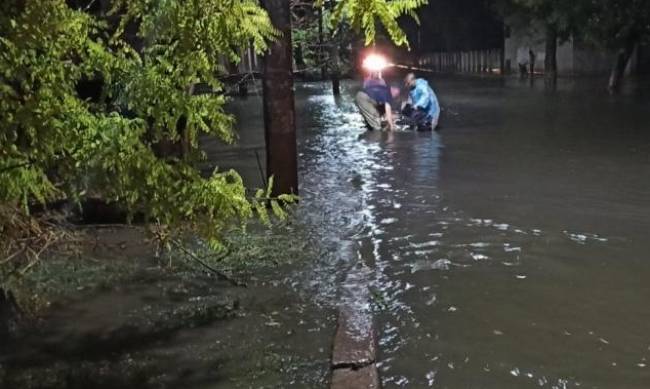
(434,123)
(421,120)
(369,111)
(417,119)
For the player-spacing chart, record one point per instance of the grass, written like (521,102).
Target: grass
(251,253)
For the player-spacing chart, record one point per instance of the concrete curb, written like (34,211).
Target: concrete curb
(366,378)
(354,352)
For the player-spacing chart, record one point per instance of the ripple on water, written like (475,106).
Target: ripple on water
(440,264)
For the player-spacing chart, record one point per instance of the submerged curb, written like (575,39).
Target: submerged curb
(354,352)
(366,377)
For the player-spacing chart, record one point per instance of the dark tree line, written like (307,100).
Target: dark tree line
(618,25)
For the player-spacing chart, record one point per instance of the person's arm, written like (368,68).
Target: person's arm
(406,103)
(389,117)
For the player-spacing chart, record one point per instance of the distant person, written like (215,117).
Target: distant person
(422,110)
(523,69)
(533,58)
(375,103)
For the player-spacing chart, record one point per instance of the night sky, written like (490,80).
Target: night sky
(454,25)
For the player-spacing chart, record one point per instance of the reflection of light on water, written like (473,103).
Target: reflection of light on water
(583,238)
(479,257)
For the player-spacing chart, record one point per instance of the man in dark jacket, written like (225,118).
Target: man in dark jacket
(374,102)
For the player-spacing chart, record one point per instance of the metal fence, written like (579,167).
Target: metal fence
(475,61)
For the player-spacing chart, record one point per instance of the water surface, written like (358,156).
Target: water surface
(508,250)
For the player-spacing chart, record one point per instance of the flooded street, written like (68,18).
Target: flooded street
(507,250)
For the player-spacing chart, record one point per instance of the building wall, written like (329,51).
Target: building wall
(566,60)
(591,62)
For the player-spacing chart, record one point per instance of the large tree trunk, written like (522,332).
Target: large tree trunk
(279,109)
(622,59)
(505,33)
(550,62)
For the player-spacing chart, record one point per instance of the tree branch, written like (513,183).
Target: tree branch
(16,166)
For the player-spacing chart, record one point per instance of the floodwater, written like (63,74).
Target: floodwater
(508,250)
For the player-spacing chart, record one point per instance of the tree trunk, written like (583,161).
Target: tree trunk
(335,64)
(279,108)
(622,59)
(336,85)
(300,60)
(502,51)
(550,62)
(323,69)
(335,68)
(9,315)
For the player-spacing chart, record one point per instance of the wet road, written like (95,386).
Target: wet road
(509,250)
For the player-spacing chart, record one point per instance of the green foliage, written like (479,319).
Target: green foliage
(565,17)
(56,145)
(344,22)
(305,35)
(362,15)
(605,23)
(144,58)
(612,22)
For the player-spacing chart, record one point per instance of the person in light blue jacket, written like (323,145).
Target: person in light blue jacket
(422,109)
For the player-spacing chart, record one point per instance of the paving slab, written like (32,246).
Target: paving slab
(364,378)
(354,342)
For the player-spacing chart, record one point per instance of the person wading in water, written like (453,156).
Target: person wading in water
(422,111)
(374,102)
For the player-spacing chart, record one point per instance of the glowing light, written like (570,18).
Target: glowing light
(375,63)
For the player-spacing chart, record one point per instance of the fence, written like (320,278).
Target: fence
(250,62)
(476,61)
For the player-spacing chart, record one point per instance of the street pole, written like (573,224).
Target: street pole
(279,108)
